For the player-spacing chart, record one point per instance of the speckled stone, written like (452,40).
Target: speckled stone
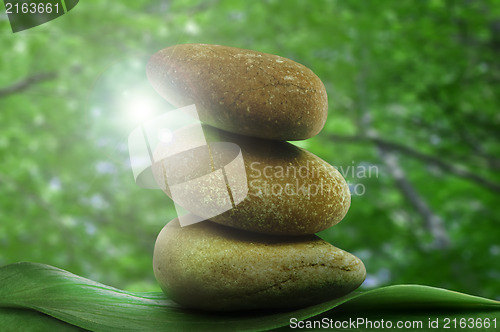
(217,268)
(290,190)
(242,91)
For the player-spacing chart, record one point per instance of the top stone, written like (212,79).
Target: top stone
(242,91)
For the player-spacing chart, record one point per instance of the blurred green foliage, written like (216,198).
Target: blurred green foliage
(414,94)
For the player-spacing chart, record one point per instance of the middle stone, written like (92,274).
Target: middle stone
(290,190)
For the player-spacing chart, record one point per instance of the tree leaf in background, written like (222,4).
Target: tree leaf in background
(97,307)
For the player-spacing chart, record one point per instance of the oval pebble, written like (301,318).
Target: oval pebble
(242,91)
(212,267)
(290,190)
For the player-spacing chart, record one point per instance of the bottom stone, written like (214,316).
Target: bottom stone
(212,267)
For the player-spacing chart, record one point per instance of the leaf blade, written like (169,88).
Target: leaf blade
(94,306)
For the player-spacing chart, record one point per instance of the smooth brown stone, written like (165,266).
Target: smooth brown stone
(217,268)
(290,190)
(242,91)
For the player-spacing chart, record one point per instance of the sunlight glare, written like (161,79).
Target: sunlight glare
(139,109)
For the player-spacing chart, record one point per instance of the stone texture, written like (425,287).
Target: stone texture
(212,267)
(290,190)
(242,91)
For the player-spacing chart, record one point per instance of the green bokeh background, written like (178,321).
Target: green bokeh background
(413,91)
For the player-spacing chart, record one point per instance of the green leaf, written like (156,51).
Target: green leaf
(97,307)
(30,320)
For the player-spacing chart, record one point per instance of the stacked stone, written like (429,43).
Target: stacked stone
(262,253)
